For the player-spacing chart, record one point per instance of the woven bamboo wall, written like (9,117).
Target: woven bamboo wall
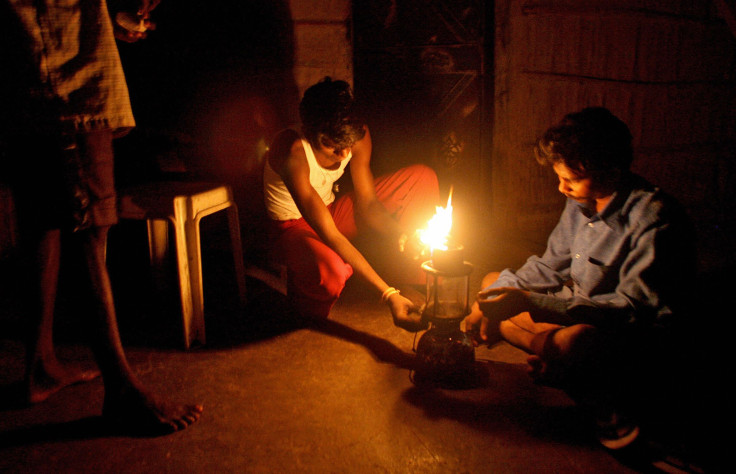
(664,67)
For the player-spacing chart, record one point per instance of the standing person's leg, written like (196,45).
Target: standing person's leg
(45,374)
(33,168)
(127,403)
(316,274)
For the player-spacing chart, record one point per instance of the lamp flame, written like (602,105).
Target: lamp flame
(438,227)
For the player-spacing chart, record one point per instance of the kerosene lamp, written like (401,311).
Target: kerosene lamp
(445,354)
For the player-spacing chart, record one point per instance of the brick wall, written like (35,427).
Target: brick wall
(323,41)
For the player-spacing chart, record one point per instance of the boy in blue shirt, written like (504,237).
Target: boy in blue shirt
(597,309)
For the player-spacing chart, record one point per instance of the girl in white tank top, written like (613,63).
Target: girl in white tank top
(279,203)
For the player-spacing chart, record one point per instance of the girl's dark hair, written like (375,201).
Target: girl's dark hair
(592,141)
(328,115)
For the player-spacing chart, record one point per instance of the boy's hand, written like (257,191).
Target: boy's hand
(406,314)
(131,19)
(498,304)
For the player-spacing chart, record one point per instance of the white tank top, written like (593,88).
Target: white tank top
(279,203)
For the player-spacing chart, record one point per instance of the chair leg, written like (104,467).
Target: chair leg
(158,252)
(195,278)
(190,327)
(237,248)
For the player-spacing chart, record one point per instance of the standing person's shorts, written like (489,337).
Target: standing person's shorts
(63,184)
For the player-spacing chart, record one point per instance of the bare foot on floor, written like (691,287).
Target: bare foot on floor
(145,413)
(47,381)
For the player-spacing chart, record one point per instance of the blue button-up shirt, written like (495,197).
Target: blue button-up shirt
(627,264)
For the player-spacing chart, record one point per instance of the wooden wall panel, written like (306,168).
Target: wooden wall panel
(667,167)
(697,9)
(620,45)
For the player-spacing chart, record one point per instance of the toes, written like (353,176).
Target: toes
(187,415)
(179,424)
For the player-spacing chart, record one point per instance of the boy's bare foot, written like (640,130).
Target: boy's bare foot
(542,373)
(46,381)
(535,367)
(142,412)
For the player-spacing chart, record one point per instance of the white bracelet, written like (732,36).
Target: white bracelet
(388,292)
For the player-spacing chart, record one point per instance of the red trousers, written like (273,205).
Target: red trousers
(316,274)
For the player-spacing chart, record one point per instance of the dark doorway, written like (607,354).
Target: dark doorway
(423,68)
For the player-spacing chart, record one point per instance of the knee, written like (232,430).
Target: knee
(324,281)
(581,333)
(424,173)
(420,175)
(314,294)
(489,279)
(506,327)
(427,176)
(334,277)
(576,342)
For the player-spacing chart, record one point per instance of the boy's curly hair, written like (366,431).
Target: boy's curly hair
(592,141)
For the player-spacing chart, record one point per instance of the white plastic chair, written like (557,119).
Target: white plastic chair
(184,204)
